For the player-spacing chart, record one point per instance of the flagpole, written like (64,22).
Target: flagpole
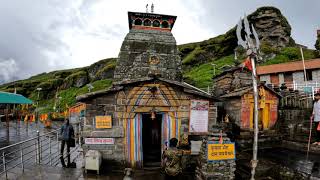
(252,46)
(304,66)
(254,161)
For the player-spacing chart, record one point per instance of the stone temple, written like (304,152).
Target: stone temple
(149,49)
(132,122)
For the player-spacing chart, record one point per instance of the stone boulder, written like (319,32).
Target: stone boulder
(77,79)
(271,26)
(102,69)
(106,72)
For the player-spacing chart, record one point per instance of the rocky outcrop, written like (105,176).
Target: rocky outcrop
(106,72)
(77,79)
(102,69)
(271,26)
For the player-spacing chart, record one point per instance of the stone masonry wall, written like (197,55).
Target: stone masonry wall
(148,52)
(230,81)
(294,116)
(100,106)
(220,170)
(233,109)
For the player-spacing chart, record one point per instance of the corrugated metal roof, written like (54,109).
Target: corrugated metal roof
(11,98)
(288,67)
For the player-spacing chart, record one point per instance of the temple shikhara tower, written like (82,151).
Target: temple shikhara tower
(149,49)
(132,122)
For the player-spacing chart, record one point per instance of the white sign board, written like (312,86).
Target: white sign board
(99,140)
(199,115)
(195,147)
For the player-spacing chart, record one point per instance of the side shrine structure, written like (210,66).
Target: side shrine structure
(132,122)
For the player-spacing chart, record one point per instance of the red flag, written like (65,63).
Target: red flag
(247,63)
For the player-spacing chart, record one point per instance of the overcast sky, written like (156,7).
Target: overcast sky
(43,35)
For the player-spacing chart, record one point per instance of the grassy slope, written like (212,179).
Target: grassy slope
(291,54)
(53,81)
(200,75)
(68,95)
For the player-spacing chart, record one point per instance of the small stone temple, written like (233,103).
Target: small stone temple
(239,106)
(148,104)
(234,87)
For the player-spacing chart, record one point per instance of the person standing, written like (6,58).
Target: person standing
(66,134)
(316,117)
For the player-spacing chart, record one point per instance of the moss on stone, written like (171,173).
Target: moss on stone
(108,69)
(76,75)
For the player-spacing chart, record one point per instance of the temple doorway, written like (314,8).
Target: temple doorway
(151,140)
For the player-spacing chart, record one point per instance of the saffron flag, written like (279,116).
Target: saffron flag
(247,63)
(33,118)
(26,118)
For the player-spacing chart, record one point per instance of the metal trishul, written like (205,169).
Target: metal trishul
(248,43)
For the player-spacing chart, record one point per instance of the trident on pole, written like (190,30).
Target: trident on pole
(252,47)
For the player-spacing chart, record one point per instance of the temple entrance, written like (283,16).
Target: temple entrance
(151,140)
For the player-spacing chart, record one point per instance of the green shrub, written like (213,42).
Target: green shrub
(194,57)
(268,49)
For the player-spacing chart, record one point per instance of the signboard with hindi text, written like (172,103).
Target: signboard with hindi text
(199,115)
(218,152)
(103,122)
(99,140)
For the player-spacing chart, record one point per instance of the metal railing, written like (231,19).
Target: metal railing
(42,149)
(302,86)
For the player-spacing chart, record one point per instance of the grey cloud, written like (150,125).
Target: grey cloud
(8,68)
(31,35)
(303,17)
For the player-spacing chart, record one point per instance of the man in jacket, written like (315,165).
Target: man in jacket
(66,134)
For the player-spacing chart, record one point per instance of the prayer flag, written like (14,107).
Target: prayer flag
(247,63)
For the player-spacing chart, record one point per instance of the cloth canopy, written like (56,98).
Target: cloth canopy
(11,98)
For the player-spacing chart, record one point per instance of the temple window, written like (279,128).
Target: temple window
(147,22)
(156,23)
(137,22)
(164,24)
